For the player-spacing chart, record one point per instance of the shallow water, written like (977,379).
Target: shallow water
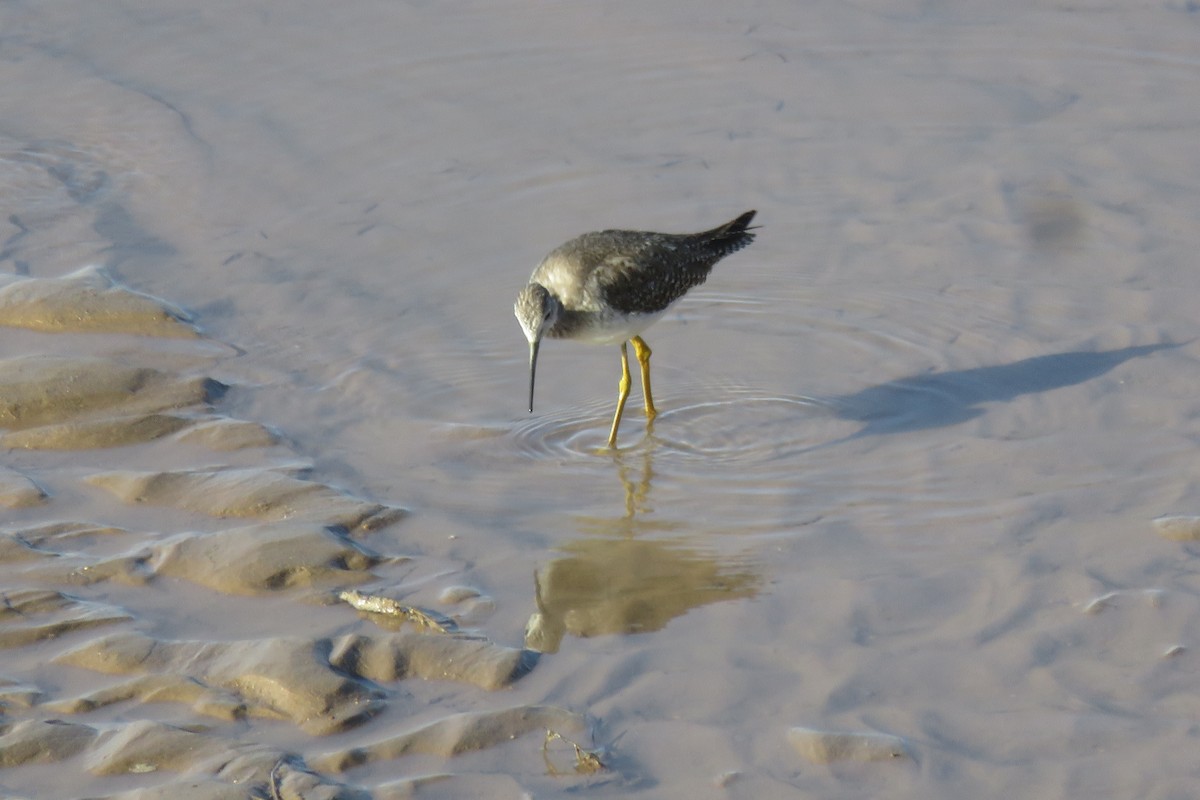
(906,439)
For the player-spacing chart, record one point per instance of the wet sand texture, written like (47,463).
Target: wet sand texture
(266,558)
(826,747)
(223,433)
(255,493)
(257,559)
(1178,528)
(277,678)
(53,390)
(19,491)
(456,734)
(298,546)
(35,615)
(217,767)
(65,402)
(87,301)
(40,741)
(431,656)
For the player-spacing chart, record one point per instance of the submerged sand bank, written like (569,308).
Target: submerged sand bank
(303,541)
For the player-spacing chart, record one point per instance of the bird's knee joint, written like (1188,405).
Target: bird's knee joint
(642,349)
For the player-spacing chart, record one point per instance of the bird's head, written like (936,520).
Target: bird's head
(537,310)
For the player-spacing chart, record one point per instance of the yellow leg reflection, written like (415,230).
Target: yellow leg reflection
(622,394)
(636,492)
(642,351)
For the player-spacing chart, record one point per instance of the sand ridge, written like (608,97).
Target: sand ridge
(305,539)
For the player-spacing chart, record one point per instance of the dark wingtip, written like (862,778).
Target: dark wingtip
(734,235)
(742,223)
(745,218)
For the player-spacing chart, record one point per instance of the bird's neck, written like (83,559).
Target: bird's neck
(564,322)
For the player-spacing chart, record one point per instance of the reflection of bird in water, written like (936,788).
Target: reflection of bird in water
(606,585)
(608,287)
(629,574)
(637,495)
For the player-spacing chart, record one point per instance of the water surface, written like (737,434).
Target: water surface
(905,439)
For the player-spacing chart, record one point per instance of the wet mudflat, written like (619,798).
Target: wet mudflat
(919,511)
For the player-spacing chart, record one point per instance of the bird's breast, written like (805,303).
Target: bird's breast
(611,328)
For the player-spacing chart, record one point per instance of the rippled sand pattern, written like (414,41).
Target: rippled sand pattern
(303,541)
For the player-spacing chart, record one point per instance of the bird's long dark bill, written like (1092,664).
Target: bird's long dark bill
(533,350)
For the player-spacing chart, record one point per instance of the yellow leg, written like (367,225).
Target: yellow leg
(622,394)
(642,351)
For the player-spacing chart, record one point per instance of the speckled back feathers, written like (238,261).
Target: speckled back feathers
(637,272)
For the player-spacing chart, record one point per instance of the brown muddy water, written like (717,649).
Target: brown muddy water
(895,532)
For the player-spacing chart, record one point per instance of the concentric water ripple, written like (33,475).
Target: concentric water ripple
(732,424)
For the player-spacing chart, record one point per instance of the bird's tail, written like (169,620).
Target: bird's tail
(732,235)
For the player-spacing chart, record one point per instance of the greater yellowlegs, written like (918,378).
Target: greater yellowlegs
(608,287)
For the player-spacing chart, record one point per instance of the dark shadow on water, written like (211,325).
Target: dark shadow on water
(942,399)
